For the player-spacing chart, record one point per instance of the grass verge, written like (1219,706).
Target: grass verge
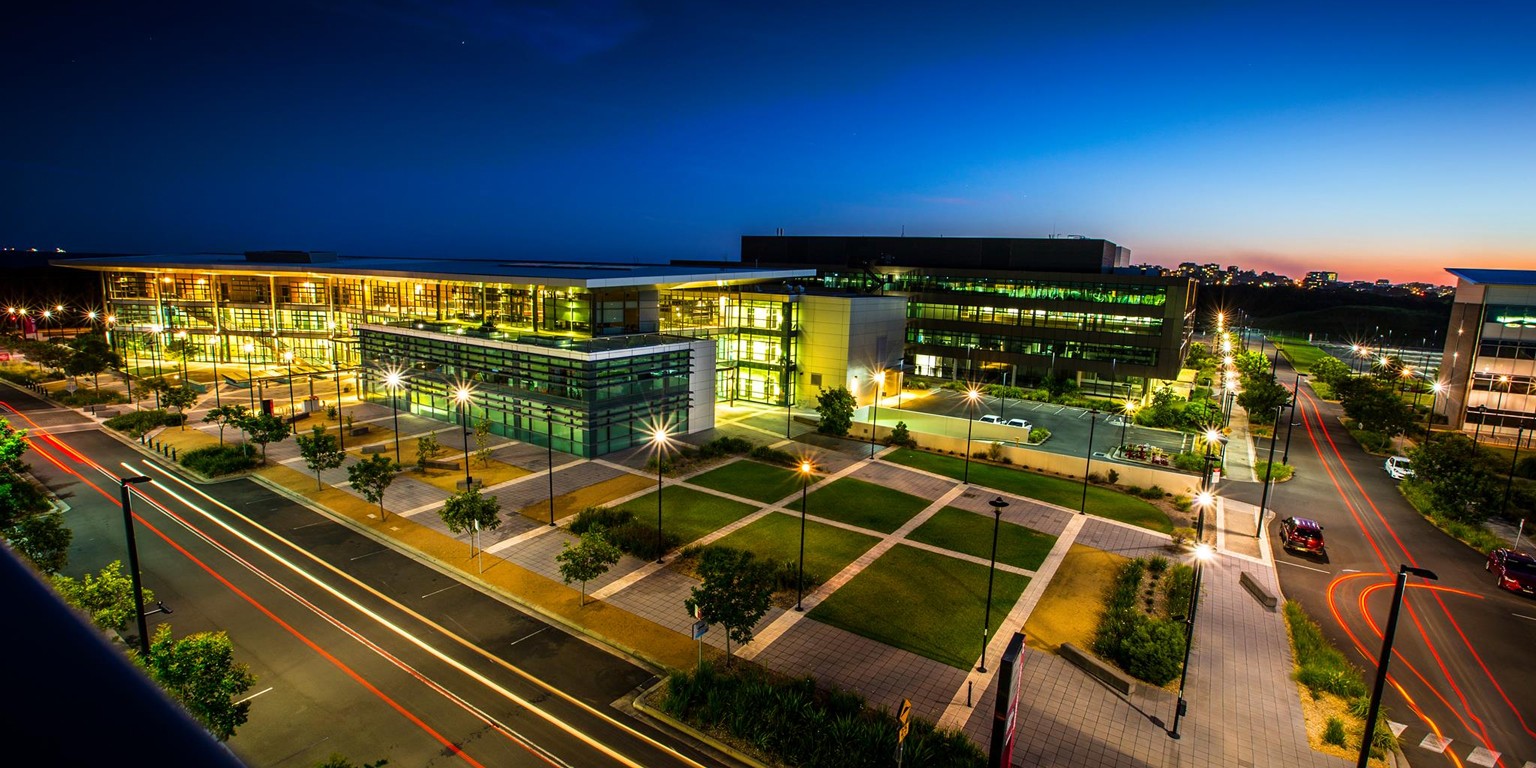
(597,494)
(775,538)
(971,533)
(1069,609)
(1474,536)
(867,505)
(1332,688)
(686,513)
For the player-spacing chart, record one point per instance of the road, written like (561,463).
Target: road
(356,649)
(1462,658)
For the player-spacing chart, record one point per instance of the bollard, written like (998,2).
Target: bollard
(173,454)
(967,693)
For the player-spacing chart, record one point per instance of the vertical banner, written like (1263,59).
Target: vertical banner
(1005,713)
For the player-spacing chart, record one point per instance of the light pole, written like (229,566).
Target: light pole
(461,396)
(659,439)
(217,343)
(1285,458)
(1513,461)
(1269,471)
(1434,396)
(392,382)
(181,336)
(805,482)
(549,452)
(288,362)
(341,433)
(250,378)
(1202,554)
(133,559)
(997,505)
(1125,419)
(878,380)
(1386,656)
(970,400)
(1093,417)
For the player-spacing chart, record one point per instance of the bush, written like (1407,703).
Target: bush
(603,516)
(1111,476)
(136,423)
(774,456)
(1182,537)
(1155,492)
(84,396)
(1189,462)
(1146,647)
(1320,666)
(1334,733)
(216,460)
(1039,435)
(638,539)
(1280,473)
(900,435)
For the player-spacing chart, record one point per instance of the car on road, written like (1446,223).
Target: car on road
(990,419)
(1512,570)
(1302,534)
(1399,467)
(1116,421)
(1020,423)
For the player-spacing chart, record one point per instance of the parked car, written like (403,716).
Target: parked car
(1116,421)
(1300,533)
(1512,570)
(1398,467)
(1020,423)
(990,419)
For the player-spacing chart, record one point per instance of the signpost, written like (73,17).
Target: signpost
(904,717)
(700,627)
(1005,716)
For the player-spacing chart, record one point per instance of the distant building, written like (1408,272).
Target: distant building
(1489,362)
(1320,279)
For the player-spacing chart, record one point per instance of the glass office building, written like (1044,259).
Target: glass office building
(1489,361)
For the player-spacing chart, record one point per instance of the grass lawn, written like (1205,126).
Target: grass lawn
(688,513)
(1068,611)
(1299,351)
(1055,490)
(752,480)
(922,602)
(776,538)
(971,534)
(567,504)
(864,504)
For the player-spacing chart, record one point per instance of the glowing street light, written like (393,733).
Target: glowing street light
(288,361)
(805,482)
(393,382)
(659,439)
(461,395)
(970,398)
(250,378)
(1203,553)
(1434,389)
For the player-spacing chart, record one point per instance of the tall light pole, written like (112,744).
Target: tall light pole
(1093,417)
(133,559)
(217,343)
(997,505)
(250,378)
(1285,458)
(1125,418)
(1269,471)
(1202,554)
(181,336)
(878,380)
(970,400)
(392,382)
(549,452)
(461,396)
(288,362)
(1386,656)
(341,432)
(1434,396)
(659,439)
(805,482)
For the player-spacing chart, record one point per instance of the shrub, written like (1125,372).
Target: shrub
(1189,462)
(900,435)
(1182,537)
(603,516)
(1182,502)
(83,397)
(995,452)
(1320,666)
(1111,476)
(1279,474)
(1177,589)
(216,460)
(638,539)
(136,423)
(774,456)
(1334,733)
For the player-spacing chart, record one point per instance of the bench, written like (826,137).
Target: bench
(372,449)
(473,483)
(1258,591)
(440,464)
(1102,671)
(355,431)
(297,417)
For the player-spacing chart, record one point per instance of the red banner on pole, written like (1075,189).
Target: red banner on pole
(1005,713)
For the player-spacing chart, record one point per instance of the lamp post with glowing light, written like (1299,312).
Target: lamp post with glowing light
(970,400)
(1202,554)
(392,382)
(250,378)
(461,396)
(1434,395)
(876,379)
(1125,418)
(997,505)
(288,362)
(1093,418)
(133,559)
(1387,634)
(659,439)
(805,482)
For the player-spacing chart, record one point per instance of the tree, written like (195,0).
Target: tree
(427,449)
(735,592)
(13,443)
(91,356)
(371,477)
(41,538)
(1330,370)
(320,451)
(50,355)
(836,409)
(1460,486)
(900,435)
(483,442)
(107,597)
(226,416)
(1253,366)
(1261,397)
(179,397)
(263,428)
(1375,406)
(201,673)
(463,510)
(592,556)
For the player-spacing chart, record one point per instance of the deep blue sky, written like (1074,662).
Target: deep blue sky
(1378,140)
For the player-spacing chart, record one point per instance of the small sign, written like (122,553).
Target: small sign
(904,716)
(699,628)
(71,386)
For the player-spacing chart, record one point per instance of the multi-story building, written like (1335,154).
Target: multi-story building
(987,308)
(1320,279)
(1489,362)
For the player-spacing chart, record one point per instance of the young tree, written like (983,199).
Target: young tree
(1375,406)
(1458,480)
(735,592)
(427,449)
(201,673)
(107,597)
(49,355)
(226,416)
(483,442)
(42,539)
(1330,370)
(320,451)
(1261,397)
(836,409)
(371,477)
(592,556)
(464,509)
(179,397)
(91,356)
(900,435)
(263,428)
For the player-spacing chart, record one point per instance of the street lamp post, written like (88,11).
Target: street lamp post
(1513,461)
(461,396)
(997,505)
(1269,471)
(1434,396)
(392,383)
(1202,554)
(133,559)
(217,343)
(1125,419)
(341,432)
(1093,417)
(1386,656)
(970,399)
(549,451)
(250,378)
(659,438)
(878,380)
(805,482)
(1285,458)
(288,362)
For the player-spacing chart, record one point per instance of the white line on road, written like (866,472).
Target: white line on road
(1299,565)
(1523,616)
(451,586)
(258,693)
(370,554)
(536,631)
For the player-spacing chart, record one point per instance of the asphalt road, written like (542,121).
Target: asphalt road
(1462,656)
(356,649)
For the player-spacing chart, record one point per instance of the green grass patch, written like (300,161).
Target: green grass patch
(752,480)
(1477,537)
(1280,474)
(864,504)
(1299,351)
(1054,490)
(686,513)
(971,534)
(776,539)
(1320,666)
(923,602)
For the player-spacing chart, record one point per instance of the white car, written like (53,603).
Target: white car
(1020,423)
(1398,468)
(990,419)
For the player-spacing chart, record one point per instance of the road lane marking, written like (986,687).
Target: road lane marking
(1523,616)
(530,634)
(1299,565)
(370,554)
(254,695)
(444,589)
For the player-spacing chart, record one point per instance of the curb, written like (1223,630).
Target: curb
(690,731)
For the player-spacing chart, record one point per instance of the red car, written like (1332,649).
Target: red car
(1514,571)
(1301,534)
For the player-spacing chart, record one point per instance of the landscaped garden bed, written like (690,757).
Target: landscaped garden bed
(1141,630)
